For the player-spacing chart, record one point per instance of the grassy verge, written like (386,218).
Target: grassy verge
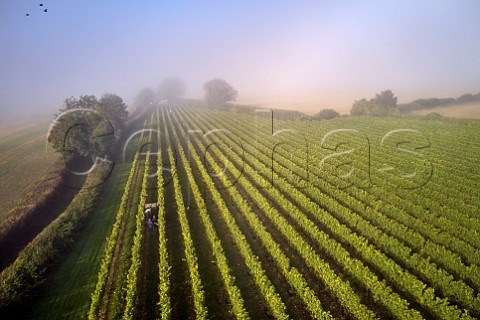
(66,294)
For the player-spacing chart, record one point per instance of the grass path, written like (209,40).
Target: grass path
(66,294)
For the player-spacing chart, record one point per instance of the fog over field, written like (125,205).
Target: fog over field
(240,159)
(303,55)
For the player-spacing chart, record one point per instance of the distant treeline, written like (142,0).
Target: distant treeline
(437,102)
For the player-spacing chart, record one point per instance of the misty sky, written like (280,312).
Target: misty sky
(298,54)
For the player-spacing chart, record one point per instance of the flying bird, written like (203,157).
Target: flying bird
(27,14)
(45,10)
(40,4)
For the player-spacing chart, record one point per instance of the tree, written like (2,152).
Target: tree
(361,107)
(218,92)
(145,98)
(114,109)
(433,116)
(466,98)
(384,103)
(385,100)
(171,88)
(326,114)
(87,127)
(70,132)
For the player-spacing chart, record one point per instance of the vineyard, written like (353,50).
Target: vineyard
(352,218)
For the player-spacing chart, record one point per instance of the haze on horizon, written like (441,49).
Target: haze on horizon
(303,55)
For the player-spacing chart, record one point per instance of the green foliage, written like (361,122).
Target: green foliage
(132,276)
(346,294)
(190,254)
(19,280)
(164,302)
(96,298)
(326,114)
(434,116)
(403,255)
(238,304)
(86,127)
(360,108)
(115,111)
(266,288)
(383,104)
(353,214)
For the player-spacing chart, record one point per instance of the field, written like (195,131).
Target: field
(351,218)
(469,110)
(23,160)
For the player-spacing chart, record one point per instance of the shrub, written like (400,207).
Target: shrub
(326,114)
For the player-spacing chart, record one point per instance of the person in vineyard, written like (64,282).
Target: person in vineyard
(147,215)
(150,224)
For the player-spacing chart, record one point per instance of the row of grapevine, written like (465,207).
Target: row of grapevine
(453,180)
(190,254)
(426,247)
(455,222)
(96,298)
(252,262)
(458,290)
(395,198)
(132,276)
(236,300)
(106,264)
(380,291)
(286,210)
(137,242)
(404,257)
(164,302)
(345,295)
(292,275)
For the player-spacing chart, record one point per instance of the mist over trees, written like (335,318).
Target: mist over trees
(326,114)
(218,92)
(171,88)
(145,98)
(87,127)
(384,103)
(438,102)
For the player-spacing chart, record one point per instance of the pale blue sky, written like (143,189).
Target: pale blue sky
(297,54)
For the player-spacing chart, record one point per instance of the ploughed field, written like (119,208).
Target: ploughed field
(23,162)
(351,218)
